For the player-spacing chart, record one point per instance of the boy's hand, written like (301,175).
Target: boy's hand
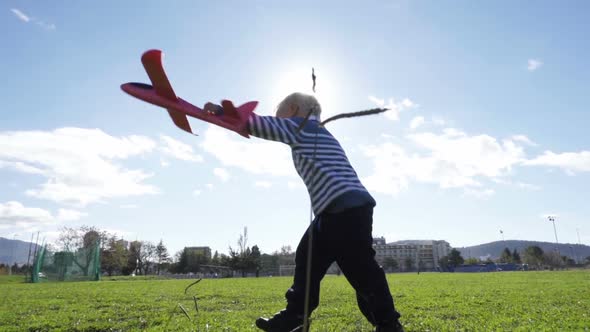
(213,109)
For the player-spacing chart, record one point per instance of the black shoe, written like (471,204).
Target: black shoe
(282,321)
(394,326)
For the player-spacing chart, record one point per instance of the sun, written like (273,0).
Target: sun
(298,79)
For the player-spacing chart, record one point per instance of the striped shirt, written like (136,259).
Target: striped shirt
(318,158)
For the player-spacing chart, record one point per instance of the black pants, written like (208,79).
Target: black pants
(346,238)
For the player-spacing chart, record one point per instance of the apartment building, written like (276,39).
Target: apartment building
(411,254)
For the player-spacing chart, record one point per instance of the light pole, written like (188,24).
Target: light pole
(503,240)
(552,219)
(574,257)
(12,254)
(579,244)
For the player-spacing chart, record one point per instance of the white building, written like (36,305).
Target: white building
(411,254)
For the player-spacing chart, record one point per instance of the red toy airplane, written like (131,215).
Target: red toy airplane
(162,94)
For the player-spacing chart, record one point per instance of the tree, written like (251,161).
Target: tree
(269,263)
(284,256)
(148,256)
(472,261)
(175,266)
(455,258)
(239,258)
(285,250)
(237,261)
(243,241)
(409,262)
(552,259)
(244,259)
(190,260)
(533,256)
(390,264)
(161,255)
(444,263)
(68,239)
(133,259)
(506,256)
(225,260)
(254,259)
(82,243)
(215,260)
(114,257)
(516,257)
(141,256)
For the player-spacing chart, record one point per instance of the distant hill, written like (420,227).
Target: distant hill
(12,251)
(494,249)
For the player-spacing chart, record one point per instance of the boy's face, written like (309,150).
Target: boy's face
(287,110)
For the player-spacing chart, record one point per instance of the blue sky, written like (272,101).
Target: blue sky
(488,130)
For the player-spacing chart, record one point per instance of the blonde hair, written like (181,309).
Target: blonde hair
(305,102)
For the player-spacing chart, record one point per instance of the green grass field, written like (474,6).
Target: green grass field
(507,301)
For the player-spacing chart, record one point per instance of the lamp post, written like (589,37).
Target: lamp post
(579,244)
(12,260)
(574,256)
(552,219)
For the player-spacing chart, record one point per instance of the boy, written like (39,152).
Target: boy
(343,219)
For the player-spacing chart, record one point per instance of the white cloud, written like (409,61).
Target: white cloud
(390,168)
(480,194)
(452,132)
(523,139)
(78,164)
(70,215)
(570,162)
(534,64)
(451,160)
(20,15)
(209,186)
(438,121)
(128,206)
(501,181)
(528,186)
(407,103)
(164,163)
(254,155)
(176,149)
(263,184)
(416,122)
(295,185)
(20,167)
(395,107)
(222,174)
(520,185)
(14,215)
(479,155)
(377,101)
(45,25)
(196,192)
(26,18)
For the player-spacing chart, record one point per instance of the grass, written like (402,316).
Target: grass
(12,279)
(507,301)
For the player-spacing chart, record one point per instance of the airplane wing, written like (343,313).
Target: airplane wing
(162,94)
(152,62)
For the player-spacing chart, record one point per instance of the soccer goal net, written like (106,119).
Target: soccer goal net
(81,264)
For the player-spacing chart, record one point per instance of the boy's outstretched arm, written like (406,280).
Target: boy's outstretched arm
(272,128)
